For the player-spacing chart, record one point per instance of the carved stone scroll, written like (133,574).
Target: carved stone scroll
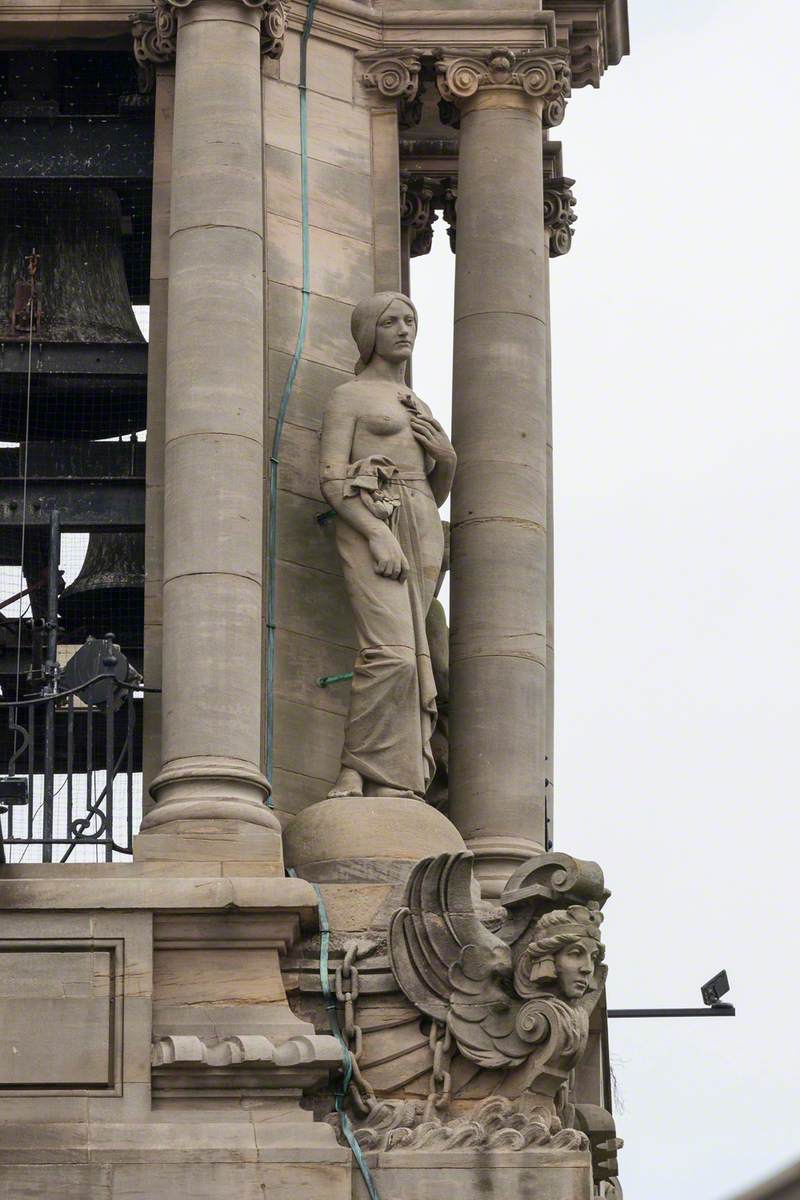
(395,75)
(559,214)
(543,75)
(417,211)
(155,30)
(421,196)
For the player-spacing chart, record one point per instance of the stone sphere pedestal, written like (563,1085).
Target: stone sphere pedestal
(361,850)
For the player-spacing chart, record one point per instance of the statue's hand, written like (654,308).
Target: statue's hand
(432,437)
(388,558)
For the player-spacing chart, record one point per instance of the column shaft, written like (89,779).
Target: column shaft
(499,508)
(156,397)
(213,452)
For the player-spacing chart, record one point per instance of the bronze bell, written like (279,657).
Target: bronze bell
(63,289)
(108,593)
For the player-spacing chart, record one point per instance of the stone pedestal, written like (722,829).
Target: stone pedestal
(148,1048)
(360,849)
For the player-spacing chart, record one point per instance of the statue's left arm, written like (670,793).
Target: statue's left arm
(435,442)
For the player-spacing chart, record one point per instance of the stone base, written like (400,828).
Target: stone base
(497,858)
(147,1048)
(213,847)
(361,850)
(478,1175)
(369,839)
(189,1160)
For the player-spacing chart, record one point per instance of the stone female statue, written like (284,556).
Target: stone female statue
(385,466)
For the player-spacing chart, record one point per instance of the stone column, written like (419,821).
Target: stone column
(164,86)
(559,218)
(498,670)
(211,781)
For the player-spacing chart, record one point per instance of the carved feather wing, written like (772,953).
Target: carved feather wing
(430,935)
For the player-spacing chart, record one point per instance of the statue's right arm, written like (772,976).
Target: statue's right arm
(336,443)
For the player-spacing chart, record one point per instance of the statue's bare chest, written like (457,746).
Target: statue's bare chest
(384,420)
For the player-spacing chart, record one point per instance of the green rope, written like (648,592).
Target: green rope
(288,387)
(347,1059)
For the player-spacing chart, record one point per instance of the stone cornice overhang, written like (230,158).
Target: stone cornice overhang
(595,31)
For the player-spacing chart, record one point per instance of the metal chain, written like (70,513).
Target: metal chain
(440,1041)
(347,989)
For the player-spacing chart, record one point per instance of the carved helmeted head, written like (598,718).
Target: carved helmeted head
(562,955)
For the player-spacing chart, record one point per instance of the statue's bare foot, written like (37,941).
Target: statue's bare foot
(349,783)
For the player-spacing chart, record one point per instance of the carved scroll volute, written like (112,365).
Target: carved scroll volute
(395,75)
(417,211)
(543,75)
(559,214)
(155,30)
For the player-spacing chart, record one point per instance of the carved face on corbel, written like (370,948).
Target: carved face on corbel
(563,955)
(575,968)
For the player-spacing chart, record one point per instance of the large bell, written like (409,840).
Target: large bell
(63,289)
(108,593)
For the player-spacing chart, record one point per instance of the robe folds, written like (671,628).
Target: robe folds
(393,694)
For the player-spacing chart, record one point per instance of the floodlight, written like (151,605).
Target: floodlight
(713,991)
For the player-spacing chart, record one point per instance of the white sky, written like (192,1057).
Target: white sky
(677,503)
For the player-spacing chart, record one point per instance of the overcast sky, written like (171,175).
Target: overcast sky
(675,335)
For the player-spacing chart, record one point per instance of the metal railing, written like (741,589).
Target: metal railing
(72,777)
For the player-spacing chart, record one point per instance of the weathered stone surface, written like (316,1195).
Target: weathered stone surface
(532,1175)
(66,997)
(364,831)
(385,467)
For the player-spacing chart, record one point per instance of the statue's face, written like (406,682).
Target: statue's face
(396,333)
(575,966)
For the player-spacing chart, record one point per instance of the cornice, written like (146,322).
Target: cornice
(595,32)
(387,27)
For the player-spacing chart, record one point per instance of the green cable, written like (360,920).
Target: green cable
(288,387)
(326,680)
(347,1058)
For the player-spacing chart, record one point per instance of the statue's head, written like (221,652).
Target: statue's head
(384,325)
(563,953)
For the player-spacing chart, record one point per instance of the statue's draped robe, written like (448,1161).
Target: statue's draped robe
(393,694)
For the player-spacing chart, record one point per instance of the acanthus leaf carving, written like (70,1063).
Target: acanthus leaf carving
(542,74)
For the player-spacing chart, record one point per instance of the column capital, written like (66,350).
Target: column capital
(559,214)
(155,30)
(422,195)
(542,75)
(394,74)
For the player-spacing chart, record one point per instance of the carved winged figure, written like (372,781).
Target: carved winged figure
(522,994)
